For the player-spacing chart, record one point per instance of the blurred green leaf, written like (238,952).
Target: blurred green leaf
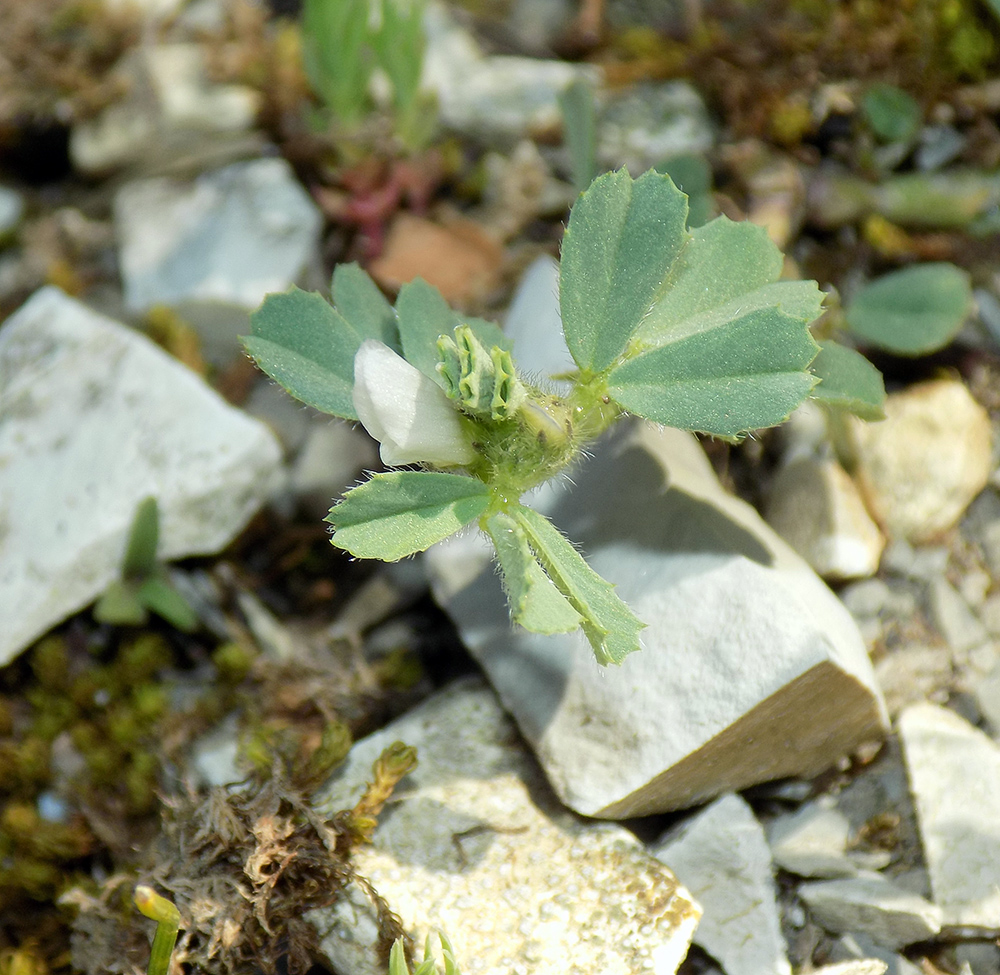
(580,131)
(159,596)
(891,113)
(913,311)
(143,540)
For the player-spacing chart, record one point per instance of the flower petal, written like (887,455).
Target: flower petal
(407,412)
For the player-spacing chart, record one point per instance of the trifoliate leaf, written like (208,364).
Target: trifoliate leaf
(610,626)
(534,601)
(623,237)
(725,380)
(399,513)
(308,348)
(848,381)
(913,311)
(363,306)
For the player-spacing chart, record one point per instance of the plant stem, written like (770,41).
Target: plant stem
(168,923)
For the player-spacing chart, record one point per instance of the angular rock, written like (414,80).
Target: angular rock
(859,946)
(955,621)
(954,772)
(93,418)
(812,842)
(920,468)
(816,508)
(863,966)
(721,856)
(499,99)
(171,109)
(216,245)
(751,669)
(473,843)
(872,905)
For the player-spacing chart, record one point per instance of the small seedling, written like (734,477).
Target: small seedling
(690,328)
(397,959)
(144,585)
(168,923)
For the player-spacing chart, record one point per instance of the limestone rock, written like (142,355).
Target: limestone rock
(220,242)
(920,468)
(171,110)
(473,843)
(93,418)
(954,772)
(812,842)
(721,856)
(498,99)
(816,508)
(863,966)
(860,946)
(874,906)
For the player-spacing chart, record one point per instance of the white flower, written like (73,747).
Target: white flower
(406,412)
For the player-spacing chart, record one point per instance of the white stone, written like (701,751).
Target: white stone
(473,844)
(651,122)
(872,905)
(857,947)
(721,856)
(954,772)
(500,98)
(954,619)
(93,418)
(172,109)
(816,508)
(228,237)
(751,669)
(920,468)
(863,966)
(812,842)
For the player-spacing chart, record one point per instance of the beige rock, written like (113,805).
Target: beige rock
(920,468)
(473,843)
(816,508)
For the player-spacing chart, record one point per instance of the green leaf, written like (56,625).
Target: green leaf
(119,606)
(535,603)
(725,380)
(424,316)
(158,595)
(576,102)
(399,513)
(692,175)
(622,240)
(848,381)
(913,311)
(308,348)
(892,114)
(143,539)
(363,306)
(335,55)
(726,268)
(610,626)
(397,959)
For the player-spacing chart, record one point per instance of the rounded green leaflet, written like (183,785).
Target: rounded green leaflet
(400,513)
(913,311)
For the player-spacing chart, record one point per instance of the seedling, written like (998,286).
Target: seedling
(144,585)
(168,923)
(689,328)
(397,959)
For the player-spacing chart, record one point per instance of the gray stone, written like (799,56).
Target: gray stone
(864,966)
(650,123)
(955,621)
(872,905)
(954,772)
(330,461)
(171,111)
(859,946)
(225,239)
(93,418)
(474,844)
(721,856)
(498,99)
(980,957)
(987,694)
(920,468)
(914,672)
(812,842)
(922,563)
(815,507)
